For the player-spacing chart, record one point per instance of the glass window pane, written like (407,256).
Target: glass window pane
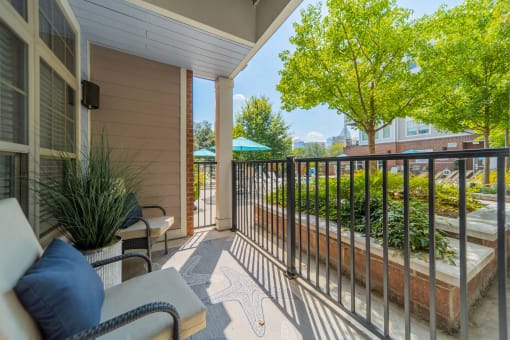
(45,30)
(57,118)
(12,116)
(69,60)
(13,178)
(51,171)
(20,6)
(387,132)
(56,32)
(416,128)
(13,83)
(45,7)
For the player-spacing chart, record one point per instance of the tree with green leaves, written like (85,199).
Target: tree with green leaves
(465,59)
(298,152)
(314,149)
(258,122)
(357,59)
(203,135)
(335,149)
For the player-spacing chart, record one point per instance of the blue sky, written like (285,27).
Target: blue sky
(260,77)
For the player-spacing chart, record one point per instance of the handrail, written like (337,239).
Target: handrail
(505,152)
(301,243)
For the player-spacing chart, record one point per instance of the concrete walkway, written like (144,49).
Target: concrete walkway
(222,266)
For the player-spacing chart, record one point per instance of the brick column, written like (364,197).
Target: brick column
(189,153)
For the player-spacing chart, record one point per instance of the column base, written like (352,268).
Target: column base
(223,224)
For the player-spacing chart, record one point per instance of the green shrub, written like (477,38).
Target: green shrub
(198,181)
(446,201)
(446,196)
(91,201)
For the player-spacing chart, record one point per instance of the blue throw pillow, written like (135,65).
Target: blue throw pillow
(62,292)
(136,211)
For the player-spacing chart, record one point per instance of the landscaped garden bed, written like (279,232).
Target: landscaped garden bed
(480,267)
(313,201)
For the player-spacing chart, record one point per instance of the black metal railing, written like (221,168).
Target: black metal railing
(204,194)
(306,213)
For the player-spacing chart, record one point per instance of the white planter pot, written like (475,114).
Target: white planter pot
(111,274)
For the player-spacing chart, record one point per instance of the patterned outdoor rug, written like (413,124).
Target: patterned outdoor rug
(247,296)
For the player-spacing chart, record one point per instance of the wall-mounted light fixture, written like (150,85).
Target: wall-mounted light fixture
(89,95)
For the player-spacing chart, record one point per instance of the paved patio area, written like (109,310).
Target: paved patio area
(248,296)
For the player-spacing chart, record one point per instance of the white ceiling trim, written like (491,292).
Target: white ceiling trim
(287,11)
(120,25)
(191,22)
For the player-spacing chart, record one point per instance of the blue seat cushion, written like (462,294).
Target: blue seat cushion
(62,292)
(136,211)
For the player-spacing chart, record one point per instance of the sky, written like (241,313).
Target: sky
(260,77)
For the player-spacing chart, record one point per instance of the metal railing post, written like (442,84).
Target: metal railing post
(291,217)
(501,250)
(234,197)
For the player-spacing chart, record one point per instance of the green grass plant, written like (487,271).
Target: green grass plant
(91,201)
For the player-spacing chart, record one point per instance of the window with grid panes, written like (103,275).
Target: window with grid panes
(56,32)
(57,112)
(13,115)
(57,118)
(415,128)
(13,87)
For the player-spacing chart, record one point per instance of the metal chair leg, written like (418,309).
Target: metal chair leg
(166,243)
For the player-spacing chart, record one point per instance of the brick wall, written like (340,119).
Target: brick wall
(189,153)
(447,295)
(437,144)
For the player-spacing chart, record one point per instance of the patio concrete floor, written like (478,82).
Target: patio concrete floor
(248,296)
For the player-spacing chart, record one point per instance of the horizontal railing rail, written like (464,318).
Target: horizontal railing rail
(378,222)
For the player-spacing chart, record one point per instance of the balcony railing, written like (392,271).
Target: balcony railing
(350,222)
(204,187)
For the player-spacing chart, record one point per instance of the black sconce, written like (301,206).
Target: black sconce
(89,95)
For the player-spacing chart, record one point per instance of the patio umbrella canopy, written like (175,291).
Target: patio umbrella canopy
(245,144)
(203,153)
(410,151)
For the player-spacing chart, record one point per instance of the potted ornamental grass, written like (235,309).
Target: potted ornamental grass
(90,203)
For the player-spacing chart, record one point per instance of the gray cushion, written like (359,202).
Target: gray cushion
(159,226)
(163,285)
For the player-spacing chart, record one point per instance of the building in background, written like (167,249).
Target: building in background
(408,135)
(298,143)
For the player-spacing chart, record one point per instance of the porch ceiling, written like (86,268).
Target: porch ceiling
(185,34)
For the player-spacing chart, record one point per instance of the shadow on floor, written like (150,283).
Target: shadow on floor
(247,295)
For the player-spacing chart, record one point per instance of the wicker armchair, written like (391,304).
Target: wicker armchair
(139,235)
(134,314)
(157,304)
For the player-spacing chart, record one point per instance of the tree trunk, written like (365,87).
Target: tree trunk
(487,165)
(371,149)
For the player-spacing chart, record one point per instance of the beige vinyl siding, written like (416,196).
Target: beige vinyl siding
(140,113)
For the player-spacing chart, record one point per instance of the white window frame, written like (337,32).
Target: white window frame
(409,120)
(28,31)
